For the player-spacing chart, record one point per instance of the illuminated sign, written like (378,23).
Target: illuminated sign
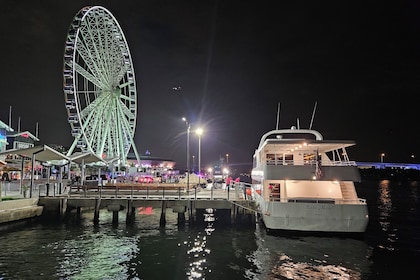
(21,145)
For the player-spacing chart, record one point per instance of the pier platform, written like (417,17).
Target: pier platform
(190,203)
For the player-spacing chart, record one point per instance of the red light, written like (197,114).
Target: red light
(146,179)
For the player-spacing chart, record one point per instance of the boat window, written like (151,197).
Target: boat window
(288,159)
(271,159)
(280,159)
(309,158)
(274,191)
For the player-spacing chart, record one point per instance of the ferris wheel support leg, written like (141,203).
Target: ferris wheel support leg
(73,146)
(135,151)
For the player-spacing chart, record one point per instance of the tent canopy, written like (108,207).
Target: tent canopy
(86,158)
(41,153)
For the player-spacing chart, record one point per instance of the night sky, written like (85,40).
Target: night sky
(232,63)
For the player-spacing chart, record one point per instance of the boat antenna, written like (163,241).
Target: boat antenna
(313,115)
(278,116)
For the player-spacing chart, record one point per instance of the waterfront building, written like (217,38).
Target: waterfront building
(4,130)
(156,167)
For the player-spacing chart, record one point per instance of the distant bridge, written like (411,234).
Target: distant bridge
(383,165)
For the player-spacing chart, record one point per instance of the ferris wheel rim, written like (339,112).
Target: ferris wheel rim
(99,84)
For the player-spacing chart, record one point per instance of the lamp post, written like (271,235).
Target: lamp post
(193,164)
(210,171)
(227,159)
(382,157)
(199,132)
(188,153)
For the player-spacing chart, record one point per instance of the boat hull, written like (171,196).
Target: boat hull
(314,217)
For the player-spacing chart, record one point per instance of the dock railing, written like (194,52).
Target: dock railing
(236,191)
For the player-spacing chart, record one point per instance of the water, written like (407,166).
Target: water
(390,249)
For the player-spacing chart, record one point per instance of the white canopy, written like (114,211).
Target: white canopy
(86,158)
(42,153)
(193,179)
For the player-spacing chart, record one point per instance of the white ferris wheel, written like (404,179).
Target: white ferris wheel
(99,86)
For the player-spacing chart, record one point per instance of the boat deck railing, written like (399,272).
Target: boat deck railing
(324,200)
(310,162)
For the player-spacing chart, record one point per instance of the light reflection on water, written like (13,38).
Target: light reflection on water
(385,211)
(96,256)
(311,257)
(197,250)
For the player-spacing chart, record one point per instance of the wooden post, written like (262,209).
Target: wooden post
(162,222)
(131,212)
(96,214)
(115,217)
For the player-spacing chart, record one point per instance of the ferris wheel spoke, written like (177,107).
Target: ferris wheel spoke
(122,122)
(126,111)
(90,107)
(126,98)
(126,124)
(89,58)
(95,118)
(106,131)
(113,127)
(126,84)
(125,114)
(79,69)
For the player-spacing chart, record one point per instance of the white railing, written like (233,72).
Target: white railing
(324,201)
(310,162)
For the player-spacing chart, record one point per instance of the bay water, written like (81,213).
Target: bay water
(390,248)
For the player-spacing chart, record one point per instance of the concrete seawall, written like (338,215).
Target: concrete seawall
(19,209)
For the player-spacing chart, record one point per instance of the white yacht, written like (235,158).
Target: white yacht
(302,182)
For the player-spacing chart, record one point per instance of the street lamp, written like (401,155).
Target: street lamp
(188,153)
(382,157)
(193,164)
(227,159)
